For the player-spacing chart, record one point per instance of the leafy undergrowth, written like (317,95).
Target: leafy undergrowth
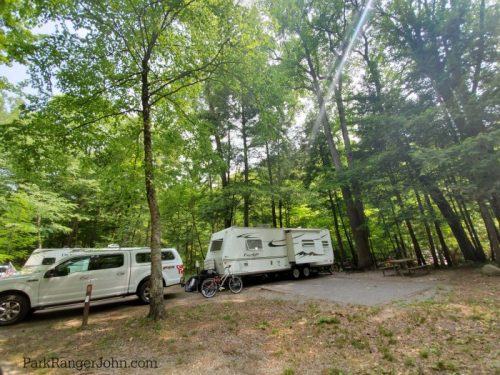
(255,333)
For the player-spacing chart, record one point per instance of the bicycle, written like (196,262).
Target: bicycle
(212,285)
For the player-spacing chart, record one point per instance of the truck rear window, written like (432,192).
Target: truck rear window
(146,257)
(48,261)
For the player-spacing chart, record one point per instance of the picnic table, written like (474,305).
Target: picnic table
(403,266)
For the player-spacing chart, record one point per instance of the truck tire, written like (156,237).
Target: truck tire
(306,271)
(143,292)
(13,308)
(296,273)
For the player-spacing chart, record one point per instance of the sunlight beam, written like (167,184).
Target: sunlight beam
(340,66)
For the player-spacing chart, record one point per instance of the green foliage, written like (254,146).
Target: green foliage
(29,215)
(420,99)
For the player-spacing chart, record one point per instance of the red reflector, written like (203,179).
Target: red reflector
(180,269)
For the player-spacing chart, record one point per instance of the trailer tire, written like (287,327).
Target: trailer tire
(306,271)
(296,273)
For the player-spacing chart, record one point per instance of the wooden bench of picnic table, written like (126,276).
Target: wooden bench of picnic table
(394,268)
(416,268)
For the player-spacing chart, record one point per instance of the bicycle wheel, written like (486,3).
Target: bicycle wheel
(235,284)
(209,288)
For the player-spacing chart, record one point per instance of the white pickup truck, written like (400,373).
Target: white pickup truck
(112,272)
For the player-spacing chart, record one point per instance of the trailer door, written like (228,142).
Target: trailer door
(306,245)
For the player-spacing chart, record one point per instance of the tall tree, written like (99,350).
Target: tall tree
(124,59)
(317,35)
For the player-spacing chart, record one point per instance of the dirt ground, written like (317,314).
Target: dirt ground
(260,331)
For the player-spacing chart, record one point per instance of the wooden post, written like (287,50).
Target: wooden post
(86,307)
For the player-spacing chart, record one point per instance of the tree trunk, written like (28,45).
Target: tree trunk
(39,230)
(401,243)
(246,193)
(356,211)
(468,250)
(336,227)
(346,232)
(280,199)
(462,208)
(414,240)
(356,219)
(495,205)
(479,54)
(223,173)
(428,231)
(444,248)
(271,184)
(491,229)
(387,233)
(156,306)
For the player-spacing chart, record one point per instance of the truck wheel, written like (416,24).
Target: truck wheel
(306,272)
(13,309)
(143,292)
(295,273)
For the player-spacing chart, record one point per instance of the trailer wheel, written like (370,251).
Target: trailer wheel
(296,273)
(306,271)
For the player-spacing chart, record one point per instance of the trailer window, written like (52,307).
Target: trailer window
(325,245)
(216,245)
(254,245)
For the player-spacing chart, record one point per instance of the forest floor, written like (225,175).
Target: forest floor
(264,332)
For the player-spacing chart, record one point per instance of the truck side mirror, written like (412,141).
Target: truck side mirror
(50,273)
(54,272)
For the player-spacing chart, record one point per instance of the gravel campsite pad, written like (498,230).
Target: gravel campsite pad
(369,289)
(259,331)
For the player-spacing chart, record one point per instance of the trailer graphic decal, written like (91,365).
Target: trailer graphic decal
(311,253)
(272,243)
(247,235)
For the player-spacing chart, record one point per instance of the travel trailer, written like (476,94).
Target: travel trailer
(251,251)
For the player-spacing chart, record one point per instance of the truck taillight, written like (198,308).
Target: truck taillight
(180,269)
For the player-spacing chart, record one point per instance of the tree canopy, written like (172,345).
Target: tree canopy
(378,121)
